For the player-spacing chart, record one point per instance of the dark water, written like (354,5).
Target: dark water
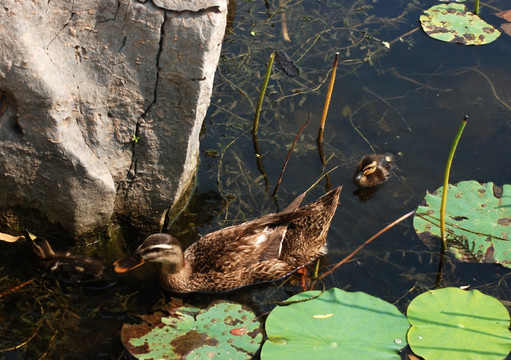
(408,100)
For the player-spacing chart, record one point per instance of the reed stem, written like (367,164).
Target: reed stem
(285,34)
(327,100)
(446,181)
(289,155)
(263,91)
(354,252)
(476,7)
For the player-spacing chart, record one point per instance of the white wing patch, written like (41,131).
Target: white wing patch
(263,237)
(281,241)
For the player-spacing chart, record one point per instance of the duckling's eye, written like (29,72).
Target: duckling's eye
(369,169)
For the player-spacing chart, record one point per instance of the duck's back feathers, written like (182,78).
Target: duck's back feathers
(267,248)
(78,269)
(229,248)
(306,236)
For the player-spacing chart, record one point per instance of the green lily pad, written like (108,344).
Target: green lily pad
(336,325)
(224,330)
(455,324)
(478,221)
(452,23)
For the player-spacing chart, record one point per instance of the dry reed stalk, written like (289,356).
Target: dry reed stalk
(327,100)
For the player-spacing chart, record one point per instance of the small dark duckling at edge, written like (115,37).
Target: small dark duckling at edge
(373,169)
(76,268)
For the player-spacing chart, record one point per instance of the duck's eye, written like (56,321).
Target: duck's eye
(369,169)
(160,251)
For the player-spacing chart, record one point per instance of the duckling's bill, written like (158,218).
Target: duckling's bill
(124,265)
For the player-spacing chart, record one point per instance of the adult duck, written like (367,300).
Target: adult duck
(260,250)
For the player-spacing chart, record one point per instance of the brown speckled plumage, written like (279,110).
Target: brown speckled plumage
(373,170)
(264,249)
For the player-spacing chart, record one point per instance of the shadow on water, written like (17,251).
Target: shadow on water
(407,99)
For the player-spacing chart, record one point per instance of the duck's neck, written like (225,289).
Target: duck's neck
(172,267)
(176,277)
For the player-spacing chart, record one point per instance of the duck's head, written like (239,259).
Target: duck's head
(162,248)
(373,170)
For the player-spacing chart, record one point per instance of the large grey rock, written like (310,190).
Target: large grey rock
(102,104)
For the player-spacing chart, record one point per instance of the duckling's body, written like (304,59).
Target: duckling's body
(373,169)
(264,249)
(75,268)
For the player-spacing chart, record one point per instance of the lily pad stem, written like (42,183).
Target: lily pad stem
(261,95)
(446,181)
(476,7)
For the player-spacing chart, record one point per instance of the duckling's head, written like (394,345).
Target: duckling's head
(162,248)
(373,170)
(41,247)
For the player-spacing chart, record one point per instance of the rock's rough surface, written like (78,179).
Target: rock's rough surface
(101,103)
(189,5)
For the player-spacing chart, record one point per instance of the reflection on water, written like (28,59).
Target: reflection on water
(407,100)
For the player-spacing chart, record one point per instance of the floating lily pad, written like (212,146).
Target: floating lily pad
(224,330)
(506,15)
(336,325)
(452,23)
(455,324)
(478,221)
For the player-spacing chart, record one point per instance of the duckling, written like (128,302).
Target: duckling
(373,170)
(261,250)
(75,268)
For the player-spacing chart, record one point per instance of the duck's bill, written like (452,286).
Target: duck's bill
(121,266)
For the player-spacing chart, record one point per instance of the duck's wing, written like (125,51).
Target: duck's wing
(242,245)
(294,204)
(273,243)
